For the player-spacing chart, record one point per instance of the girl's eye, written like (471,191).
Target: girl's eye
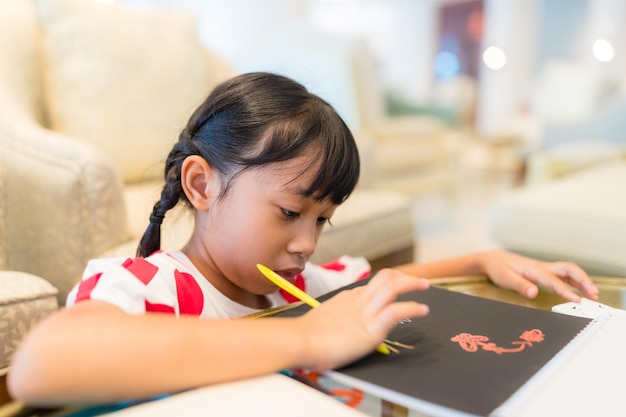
(323,220)
(290,214)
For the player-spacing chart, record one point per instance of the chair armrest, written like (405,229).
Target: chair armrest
(24,300)
(64,203)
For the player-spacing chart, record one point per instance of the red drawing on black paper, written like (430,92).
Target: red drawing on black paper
(471,343)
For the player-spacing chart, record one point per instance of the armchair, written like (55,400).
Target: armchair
(24,298)
(92,96)
(78,82)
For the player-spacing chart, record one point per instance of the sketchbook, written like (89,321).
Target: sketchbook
(472,356)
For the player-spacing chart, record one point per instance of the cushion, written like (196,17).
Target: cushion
(20,84)
(580,217)
(123,78)
(177,225)
(24,300)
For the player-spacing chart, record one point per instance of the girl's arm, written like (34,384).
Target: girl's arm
(95,352)
(512,271)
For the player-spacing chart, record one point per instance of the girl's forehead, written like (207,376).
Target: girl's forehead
(292,167)
(294,175)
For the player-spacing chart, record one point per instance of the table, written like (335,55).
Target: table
(612,291)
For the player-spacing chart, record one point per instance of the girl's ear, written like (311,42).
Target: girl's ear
(200,182)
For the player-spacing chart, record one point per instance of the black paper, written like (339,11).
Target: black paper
(439,371)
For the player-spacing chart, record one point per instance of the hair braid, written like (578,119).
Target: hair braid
(170,195)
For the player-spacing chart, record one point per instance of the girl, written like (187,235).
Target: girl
(264,164)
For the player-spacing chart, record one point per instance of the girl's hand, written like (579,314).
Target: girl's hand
(352,323)
(523,274)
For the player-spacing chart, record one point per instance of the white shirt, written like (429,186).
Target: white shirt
(169,282)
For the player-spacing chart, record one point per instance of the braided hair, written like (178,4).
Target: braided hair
(255,119)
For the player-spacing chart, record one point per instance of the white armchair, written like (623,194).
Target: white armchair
(88,109)
(24,298)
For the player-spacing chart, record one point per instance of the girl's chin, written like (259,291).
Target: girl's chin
(266,291)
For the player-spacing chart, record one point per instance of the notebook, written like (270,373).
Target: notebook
(471,355)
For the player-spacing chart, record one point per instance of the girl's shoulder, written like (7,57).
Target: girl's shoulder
(138,285)
(158,260)
(323,278)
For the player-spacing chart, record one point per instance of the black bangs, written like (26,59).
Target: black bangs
(320,134)
(338,168)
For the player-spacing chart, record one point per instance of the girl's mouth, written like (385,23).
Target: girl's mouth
(288,276)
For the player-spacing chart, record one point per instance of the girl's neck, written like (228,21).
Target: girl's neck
(224,285)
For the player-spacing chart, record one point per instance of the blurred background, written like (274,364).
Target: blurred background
(493,65)
(452,102)
(501,78)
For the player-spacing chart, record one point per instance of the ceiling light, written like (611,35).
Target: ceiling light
(603,50)
(494,58)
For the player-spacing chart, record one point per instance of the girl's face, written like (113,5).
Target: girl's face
(264,219)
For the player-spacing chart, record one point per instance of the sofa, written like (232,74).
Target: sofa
(572,207)
(92,96)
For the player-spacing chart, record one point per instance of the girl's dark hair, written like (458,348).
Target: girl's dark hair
(256,119)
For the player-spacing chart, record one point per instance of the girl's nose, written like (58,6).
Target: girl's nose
(304,242)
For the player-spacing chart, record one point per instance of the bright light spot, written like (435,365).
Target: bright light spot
(494,58)
(603,50)
(447,64)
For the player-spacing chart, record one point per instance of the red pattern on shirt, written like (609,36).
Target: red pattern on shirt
(364,275)
(158,308)
(334,265)
(143,270)
(86,286)
(190,297)
(298,282)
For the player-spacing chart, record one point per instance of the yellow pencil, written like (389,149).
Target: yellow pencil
(300,295)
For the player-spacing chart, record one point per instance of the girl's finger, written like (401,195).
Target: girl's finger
(395,312)
(387,285)
(544,277)
(576,276)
